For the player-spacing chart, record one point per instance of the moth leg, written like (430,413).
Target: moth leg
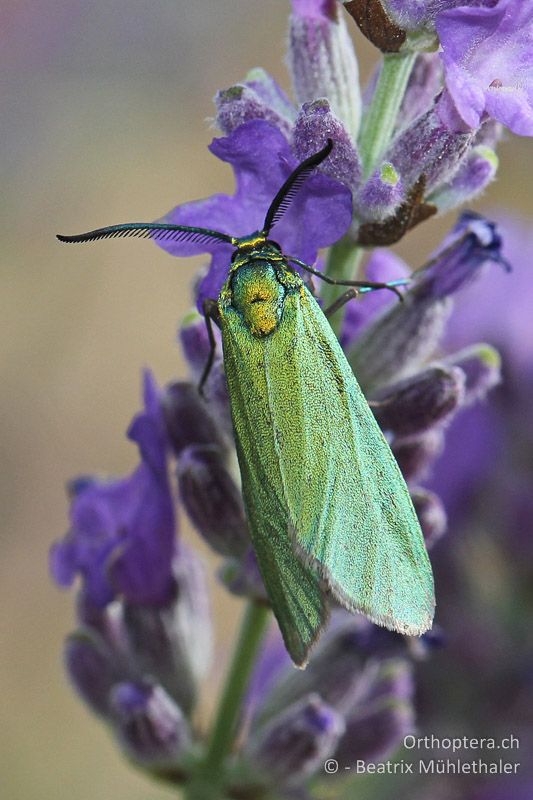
(364,286)
(345,297)
(211,314)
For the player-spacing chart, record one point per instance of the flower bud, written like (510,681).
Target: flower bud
(314,126)
(431,514)
(481,365)
(212,500)
(375,728)
(188,420)
(270,92)
(334,671)
(427,147)
(380,196)
(322,60)
(474,175)
(91,669)
(241,576)
(172,644)
(421,401)
(241,103)
(406,335)
(196,348)
(294,744)
(415,454)
(149,724)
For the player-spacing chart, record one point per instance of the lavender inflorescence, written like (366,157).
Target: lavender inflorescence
(143,641)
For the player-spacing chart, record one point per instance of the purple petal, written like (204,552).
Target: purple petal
(122,534)
(486,53)
(384,265)
(262,159)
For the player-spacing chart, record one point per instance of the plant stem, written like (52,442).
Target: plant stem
(345,256)
(379,122)
(207,783)
(343,261)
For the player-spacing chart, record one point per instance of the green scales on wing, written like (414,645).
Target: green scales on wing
(319,479)
(328,508)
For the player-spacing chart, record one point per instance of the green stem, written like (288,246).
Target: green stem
(344,258)
(207,784)
(380,120)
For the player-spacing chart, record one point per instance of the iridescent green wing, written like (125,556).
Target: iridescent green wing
(294,589)
(350,510)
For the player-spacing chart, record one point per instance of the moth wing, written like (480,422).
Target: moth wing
(298,601)
(351,514)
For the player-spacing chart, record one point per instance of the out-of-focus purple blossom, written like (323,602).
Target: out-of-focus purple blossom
(91,669)
(486,51)
(262,159)
(294,745)
(382,716)
(421,401)
(212,499)
(407,334)
(322,60)
(188,419)
(168,645)
(123,532)
(333,672)
(383,266)
(481,366)
(241,576)
(498,310)
(474,243)
(196,349)
(173,644)
(416,454)
(431,514)
(149,724)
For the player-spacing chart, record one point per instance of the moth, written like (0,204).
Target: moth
(329,512)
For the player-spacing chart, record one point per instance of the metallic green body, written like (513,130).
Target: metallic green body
(327,504)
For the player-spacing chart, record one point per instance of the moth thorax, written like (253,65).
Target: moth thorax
(258,296)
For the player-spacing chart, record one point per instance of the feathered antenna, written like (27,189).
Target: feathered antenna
(151,230)
(290,188)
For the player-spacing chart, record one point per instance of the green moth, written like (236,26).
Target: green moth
(328,508)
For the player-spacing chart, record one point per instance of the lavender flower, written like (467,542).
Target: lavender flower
(122,536)
(486,51)
(322,60)
(142,642)
(261,158)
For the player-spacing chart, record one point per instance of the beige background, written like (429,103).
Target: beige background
(104,117)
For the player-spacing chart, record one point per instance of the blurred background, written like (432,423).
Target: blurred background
(105,118)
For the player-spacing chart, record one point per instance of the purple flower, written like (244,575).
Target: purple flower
(383,266)
(122,535)
(398,341)
(149,724)
(322,60)
(476,441)
(262,159)
(487,52)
